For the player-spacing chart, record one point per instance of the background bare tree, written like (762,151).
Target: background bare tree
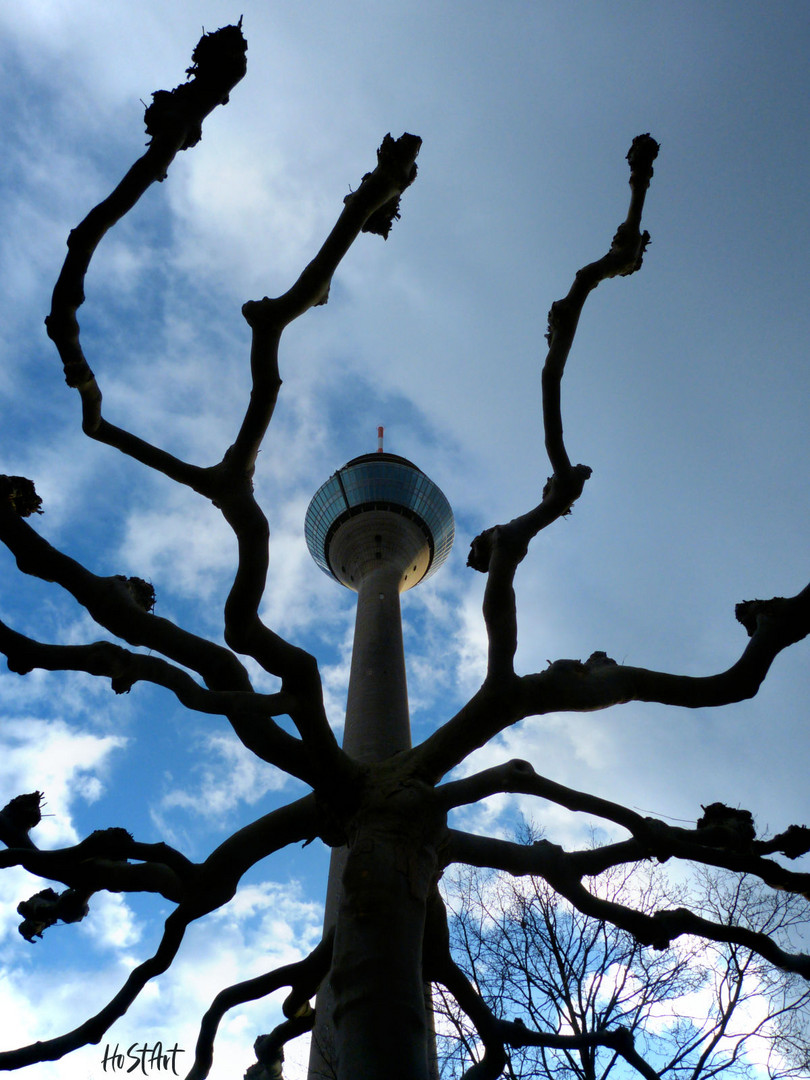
(698,1010)
(391,932)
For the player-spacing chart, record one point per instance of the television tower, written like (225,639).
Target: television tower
(378,526)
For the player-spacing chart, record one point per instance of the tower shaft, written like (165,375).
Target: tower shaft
(377,725)
(377,719)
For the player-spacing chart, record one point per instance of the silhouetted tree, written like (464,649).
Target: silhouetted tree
(697,1010)
(392,816)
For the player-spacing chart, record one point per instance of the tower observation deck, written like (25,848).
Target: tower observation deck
(378,526)
(379,508)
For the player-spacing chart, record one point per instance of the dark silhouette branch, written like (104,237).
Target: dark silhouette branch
(174,123)
(269,1049)
(652,839)
(498,551)
(219,875)
(573,686)
(565,486)
(93,875)
(92,1030)
(518,777)
(233,492)
(267,318)
(246,633)
(563,871)
(599,682)
(716,841)
(101,861)
(117,604)
(250,714)
(18,817)
(304,977)
(494,707)
(395,171)
(620,1040)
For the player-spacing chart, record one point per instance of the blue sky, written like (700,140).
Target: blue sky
(687,393)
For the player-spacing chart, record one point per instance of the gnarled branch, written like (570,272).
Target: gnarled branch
(174,122)
(93,1029)
(304,978)
(574,686)
(119,608)
(564,870)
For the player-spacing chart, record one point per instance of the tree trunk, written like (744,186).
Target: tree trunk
(381,1023)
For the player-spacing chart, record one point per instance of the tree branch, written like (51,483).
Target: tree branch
(100,861)
(296,822)
(371,208)
(121,605)
(565,485)
(94,875)
(92,1030)
(718,839)
(573,686)
(563,872)
(174,122)
(250,714)
(599,682)
(498,551)
(304,977)
(232,487)
(620,1040)
(269,1049)
(494,707)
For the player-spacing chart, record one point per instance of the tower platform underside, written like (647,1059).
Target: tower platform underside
(374,539)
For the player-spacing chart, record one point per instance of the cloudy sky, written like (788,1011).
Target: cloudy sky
(687,393)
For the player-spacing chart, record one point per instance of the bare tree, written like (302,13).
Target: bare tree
(392,815)
(697,1010)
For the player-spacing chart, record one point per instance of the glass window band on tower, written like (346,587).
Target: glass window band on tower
(379,482)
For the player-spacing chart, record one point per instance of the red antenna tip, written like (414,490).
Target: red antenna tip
(380,439)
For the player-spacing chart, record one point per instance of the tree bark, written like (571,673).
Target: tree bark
(381,1023)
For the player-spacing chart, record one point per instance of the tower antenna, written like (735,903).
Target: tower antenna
(380,431)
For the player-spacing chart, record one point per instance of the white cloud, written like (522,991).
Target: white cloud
(111,924)
(471,643)
(65,763)
(335,678)
(225,777)
(183,545)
